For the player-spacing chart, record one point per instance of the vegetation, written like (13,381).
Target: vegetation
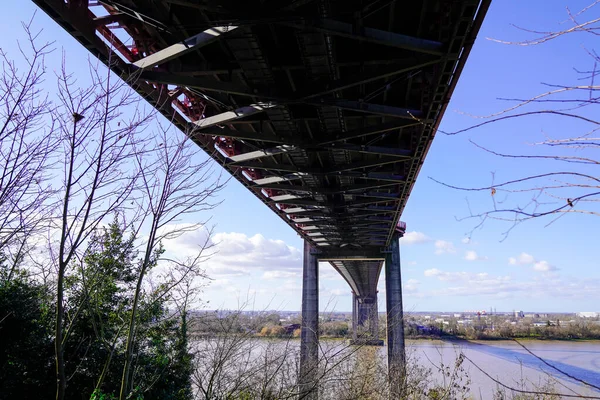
(91,305)
(99,301)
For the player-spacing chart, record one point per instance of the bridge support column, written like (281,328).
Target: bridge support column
(395,319)
(374,321)
(309,337)
(365,321)
(354,316)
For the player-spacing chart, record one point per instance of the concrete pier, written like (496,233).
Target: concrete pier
(365,321)
(395,318)
(309,337)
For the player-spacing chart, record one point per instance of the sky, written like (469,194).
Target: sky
(447,265)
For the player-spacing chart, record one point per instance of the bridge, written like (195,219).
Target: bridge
(323,109)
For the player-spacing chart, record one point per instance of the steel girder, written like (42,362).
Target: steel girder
(326,117)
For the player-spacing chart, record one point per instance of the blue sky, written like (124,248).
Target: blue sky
(535,268)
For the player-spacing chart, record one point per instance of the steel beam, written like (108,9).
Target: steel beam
(371,35)
(276,178)
(395,319)
(178,49)
(379,150)
(229,116)
(407,66)
(238,134)
(371,254)
(309,201)
(349,189)
(273,167)
(341,170)
(396,64)
(253,155)
(368,130)
(371,108)
(362,164)
(206,84)
(309,336)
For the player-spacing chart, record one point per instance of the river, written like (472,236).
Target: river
(251,362)
(512,365)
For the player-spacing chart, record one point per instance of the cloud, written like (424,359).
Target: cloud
(327,273)
(452,276)
(466,240)
(270,275)
(338,292)
(522,259)
(444,247)
(222,285)
(414,238)
(431,272)
(528,259)
(543,266)
(411,286)
(471,255)
(236,254)
(506,287)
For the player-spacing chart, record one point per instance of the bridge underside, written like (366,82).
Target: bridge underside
(323,109)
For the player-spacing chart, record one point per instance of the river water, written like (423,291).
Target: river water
(512,365)
(486,366)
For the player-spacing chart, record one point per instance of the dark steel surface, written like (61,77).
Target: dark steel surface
(323,109)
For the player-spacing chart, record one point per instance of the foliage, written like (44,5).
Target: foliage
(26,350)
(101,292)
(99,295)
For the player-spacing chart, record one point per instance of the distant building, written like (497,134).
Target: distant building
(457,315)
(588,314)
(519,314)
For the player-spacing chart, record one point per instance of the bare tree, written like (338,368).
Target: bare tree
(27,144)
(569,181)
(99,127)
(174,183)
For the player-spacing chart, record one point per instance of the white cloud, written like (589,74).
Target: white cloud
(543,266)
(444,247)
(236,254)
(222,285)
(431,272)
(471,255)
(270,275)
(411,286)
(506,287)
(328,274)
(466,240)
(451,276)
(414,238)
(338,292)
(522,259)
(528,259)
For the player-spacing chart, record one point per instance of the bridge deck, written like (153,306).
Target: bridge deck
(323,109)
